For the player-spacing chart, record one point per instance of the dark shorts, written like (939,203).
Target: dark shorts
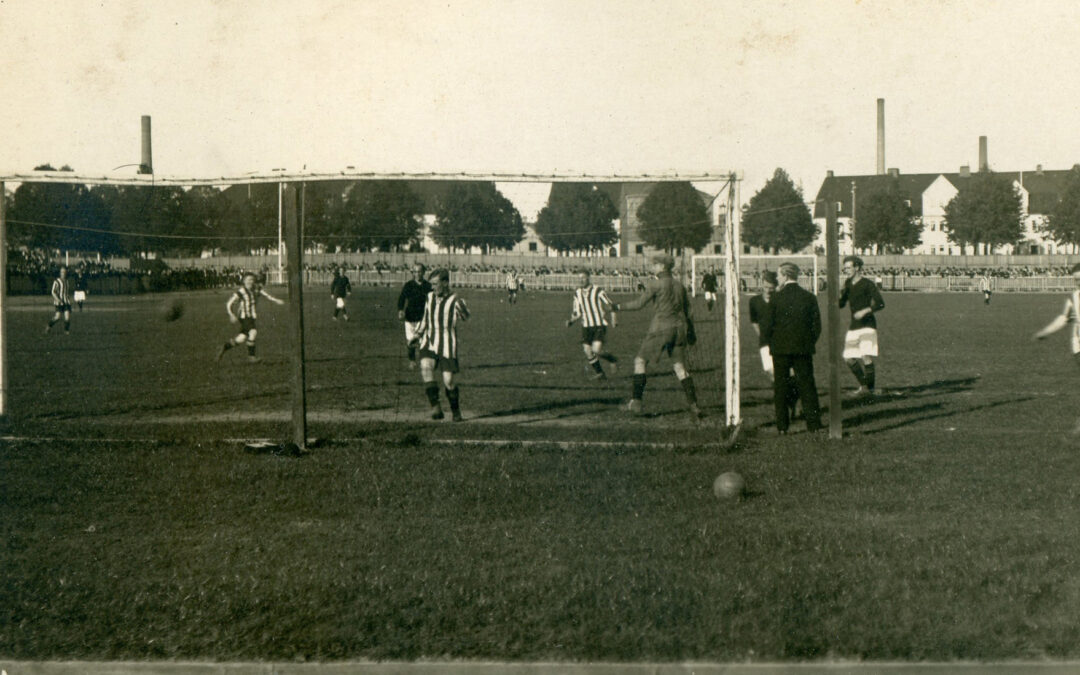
(593,334)
(443,363)
(247,325)
(664,340)
(60,309)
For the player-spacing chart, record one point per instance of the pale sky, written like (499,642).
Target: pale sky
(538,86)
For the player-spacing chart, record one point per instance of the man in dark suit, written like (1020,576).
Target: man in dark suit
(791,327)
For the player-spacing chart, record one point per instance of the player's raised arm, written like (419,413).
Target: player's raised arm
(277,301)
(1059,322)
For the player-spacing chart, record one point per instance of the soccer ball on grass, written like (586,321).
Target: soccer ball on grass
(729,485)
(172,310)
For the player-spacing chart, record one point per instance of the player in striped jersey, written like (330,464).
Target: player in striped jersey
(591,305)
(61,297)
(244,299)
(439,344)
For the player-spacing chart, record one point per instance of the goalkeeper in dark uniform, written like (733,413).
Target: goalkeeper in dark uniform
(671,331)
(339,290)
(410,307)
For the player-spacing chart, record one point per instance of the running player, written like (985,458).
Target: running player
(439,345)
(410,306)
(61,297)
(861,340)
(591,305)
(668,332)
(512,285)
(244,298)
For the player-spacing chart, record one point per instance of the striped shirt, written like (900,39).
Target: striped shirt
(246,302)
(61,291)
(591,303)
(439,325)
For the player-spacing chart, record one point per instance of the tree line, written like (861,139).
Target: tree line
(383,215)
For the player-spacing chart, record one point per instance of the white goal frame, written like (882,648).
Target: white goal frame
(810,262)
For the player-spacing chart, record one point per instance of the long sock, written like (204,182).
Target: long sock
(595,363)
(432,391)
(689,389)
(610,358)
(228,346)
(869,368)
(454,396)
(639,385)
(857,370)
(251,349)
(412,353)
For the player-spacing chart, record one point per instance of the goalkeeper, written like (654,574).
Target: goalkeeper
(671,331)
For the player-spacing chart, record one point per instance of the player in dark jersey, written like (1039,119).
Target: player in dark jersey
(339,290)
(410,305)
(861,340)
(591,305)
(61,298)
(244,299)
(439,345)
(710,285)
(668,332)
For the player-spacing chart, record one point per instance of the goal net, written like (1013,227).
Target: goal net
(159,259)
(751,268)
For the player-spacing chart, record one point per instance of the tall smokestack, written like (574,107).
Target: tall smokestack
(147,163)
(881,137)
(984,165)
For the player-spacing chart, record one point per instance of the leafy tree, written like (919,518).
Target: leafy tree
(578,217)
(203,210)
(988,210)
(777,217)
(1064,221)
(143,214)
(53,215)
(383,215)
(324,208)
(477,214)
(887,221)
(673,217)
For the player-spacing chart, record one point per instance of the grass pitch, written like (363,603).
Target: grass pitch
(942,527)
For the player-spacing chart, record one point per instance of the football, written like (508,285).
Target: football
(172,310)
(729,485)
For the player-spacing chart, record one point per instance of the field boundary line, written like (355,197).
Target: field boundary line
(527,668)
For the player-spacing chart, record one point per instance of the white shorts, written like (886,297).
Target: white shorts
(412,328)
(80,296)
(861,342)
(339,303)
(766,360)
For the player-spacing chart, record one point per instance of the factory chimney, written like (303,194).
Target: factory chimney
(983,164)
(147,163)
(881,137)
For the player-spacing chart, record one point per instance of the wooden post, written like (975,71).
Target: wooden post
(3,307)
(294,250)
(732,242)
(836,343)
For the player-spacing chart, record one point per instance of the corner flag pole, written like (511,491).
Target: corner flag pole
(294,250)
(836,346)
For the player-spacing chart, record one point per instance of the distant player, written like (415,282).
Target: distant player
(861,341)
(668,332)
(244,300)
(339,290)
(710,285)
(61,298)
(984,286)
(80,290)
(591,305)
(410,306)
(512,286)
(439,345)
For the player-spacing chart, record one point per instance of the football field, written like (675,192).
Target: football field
(549,525)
